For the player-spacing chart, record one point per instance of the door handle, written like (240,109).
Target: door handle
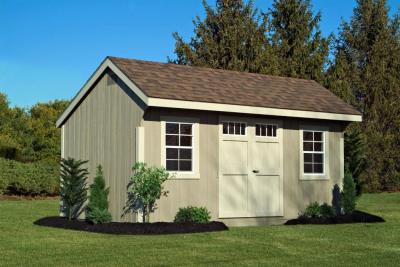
(256,171)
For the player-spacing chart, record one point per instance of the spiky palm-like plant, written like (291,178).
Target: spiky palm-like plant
(73,187)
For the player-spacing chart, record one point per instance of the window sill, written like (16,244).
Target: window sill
(182,175)
(321,177)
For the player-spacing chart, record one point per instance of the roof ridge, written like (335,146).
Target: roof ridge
(212,69)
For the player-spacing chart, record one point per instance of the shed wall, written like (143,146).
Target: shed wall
(204,191)
(102,130)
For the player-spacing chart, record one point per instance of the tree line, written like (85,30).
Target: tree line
(361,65)
(29,134)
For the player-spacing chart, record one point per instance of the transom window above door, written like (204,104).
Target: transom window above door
(313,152)
(234,128)
(179,146)
(266,130)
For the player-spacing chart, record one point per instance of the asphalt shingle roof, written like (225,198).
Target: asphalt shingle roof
(178,82)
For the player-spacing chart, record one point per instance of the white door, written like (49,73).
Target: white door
(250,173)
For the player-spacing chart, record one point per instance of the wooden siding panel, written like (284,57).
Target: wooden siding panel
(102,130)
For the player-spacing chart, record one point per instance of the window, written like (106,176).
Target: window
(179,146)
(234,128)
(313,152)
(267,130)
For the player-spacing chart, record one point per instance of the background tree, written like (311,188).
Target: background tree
(366,73)
(232,37)
(297,42)
(45,136)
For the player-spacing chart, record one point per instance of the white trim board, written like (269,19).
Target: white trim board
(195,105)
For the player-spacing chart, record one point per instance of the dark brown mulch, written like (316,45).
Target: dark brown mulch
(120,228)
(356,217)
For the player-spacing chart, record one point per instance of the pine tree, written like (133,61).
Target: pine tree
(73,187)
(369,68)
(97,208)
(232,37)
(348,197)
(297,42)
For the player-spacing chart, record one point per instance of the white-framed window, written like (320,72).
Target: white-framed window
(233,128)
(179,146)
(266,130)
(313,143)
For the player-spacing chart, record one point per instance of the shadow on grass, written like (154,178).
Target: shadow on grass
(123,228)
(356,217)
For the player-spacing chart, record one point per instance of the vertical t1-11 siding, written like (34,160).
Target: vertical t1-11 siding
(102,130)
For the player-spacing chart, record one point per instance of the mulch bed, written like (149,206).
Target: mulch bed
(122,228)
(356,217)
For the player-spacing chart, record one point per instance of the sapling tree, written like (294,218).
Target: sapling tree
(97,208)
(73,187)
(145,188)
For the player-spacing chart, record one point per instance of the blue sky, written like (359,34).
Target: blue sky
(48,49)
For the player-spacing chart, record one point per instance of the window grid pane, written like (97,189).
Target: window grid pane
(179,135)
(313,152)
(234,128)
(266,130)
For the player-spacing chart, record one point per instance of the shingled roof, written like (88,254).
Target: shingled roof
(179,82)
(185,87)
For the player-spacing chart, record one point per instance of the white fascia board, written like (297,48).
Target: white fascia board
(107,63)
(170,103)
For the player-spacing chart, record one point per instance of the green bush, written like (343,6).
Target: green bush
(97,208)
(39,178)
(349,194)
(192,214)
(73,187)
(327,211)
(315,210)
(99,216)
(145,187)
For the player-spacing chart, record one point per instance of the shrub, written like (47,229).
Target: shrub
(312,210)
(349,194)
(99,216)
(315,210)
(327,211)
(145,187)
(192,214)
(39,178)
(73,187)
(97,208)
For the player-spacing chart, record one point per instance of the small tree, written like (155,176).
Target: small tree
(349,196)
(73,187)
(145,187)
(97,208)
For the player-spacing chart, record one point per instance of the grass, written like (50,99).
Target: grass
(25,244)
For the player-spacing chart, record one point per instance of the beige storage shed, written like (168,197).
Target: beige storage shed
(254,149)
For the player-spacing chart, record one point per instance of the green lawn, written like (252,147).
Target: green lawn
(25,244)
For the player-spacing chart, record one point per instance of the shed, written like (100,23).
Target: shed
(254,149)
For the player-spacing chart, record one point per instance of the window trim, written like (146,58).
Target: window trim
(325,152)
(194,173)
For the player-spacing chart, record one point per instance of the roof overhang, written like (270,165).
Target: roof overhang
(182,104)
